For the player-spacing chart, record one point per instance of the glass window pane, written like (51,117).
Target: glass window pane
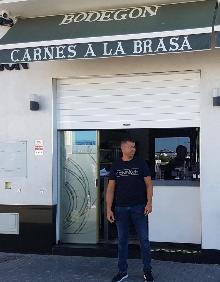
(172,158)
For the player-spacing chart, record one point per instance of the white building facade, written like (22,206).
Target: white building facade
(92,89)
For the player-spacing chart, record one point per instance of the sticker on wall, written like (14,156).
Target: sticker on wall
(8,185)
(39,148)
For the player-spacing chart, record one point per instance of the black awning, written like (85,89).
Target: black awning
(134,31)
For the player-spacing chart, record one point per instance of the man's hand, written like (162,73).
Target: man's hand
(148,209)
(110,216)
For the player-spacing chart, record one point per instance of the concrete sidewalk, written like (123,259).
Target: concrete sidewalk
(22,267)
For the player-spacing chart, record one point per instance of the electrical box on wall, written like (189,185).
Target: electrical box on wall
(216,97)
(9,223)
(34,102)
(13,159)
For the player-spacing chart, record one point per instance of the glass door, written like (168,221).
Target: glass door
(78,187)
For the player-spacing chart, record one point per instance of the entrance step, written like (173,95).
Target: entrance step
(186,253)
(189,253)
(96,250)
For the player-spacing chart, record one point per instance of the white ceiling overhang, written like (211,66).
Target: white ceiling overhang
(35,8)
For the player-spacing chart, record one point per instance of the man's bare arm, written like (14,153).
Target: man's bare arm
(149,189)
(109,200)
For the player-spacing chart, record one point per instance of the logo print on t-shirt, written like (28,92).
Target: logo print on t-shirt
(127,172)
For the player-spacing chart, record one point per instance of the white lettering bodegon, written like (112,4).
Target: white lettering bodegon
(111,15)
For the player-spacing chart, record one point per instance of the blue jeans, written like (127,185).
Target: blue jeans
(140,221)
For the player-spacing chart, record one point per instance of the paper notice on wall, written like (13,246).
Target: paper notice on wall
(39,148)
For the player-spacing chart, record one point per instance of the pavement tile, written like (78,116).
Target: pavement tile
(44,268)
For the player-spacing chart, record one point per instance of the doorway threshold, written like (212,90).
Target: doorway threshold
(89,250)
(108,249)
(185,253)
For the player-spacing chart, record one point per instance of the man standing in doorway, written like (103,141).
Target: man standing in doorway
(131,189)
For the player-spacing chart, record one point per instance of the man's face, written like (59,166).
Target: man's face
(128,149)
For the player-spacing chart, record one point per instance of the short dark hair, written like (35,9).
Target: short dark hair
(127,139)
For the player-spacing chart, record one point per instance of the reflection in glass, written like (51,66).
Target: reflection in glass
(175,158)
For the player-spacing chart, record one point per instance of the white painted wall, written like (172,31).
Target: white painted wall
(17,122)
(176,215)
(210,156)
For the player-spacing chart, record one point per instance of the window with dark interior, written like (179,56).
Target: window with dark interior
(175,154)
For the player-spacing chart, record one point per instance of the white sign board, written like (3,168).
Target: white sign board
(39,148)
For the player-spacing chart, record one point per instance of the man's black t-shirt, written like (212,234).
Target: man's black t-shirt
(130,186)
